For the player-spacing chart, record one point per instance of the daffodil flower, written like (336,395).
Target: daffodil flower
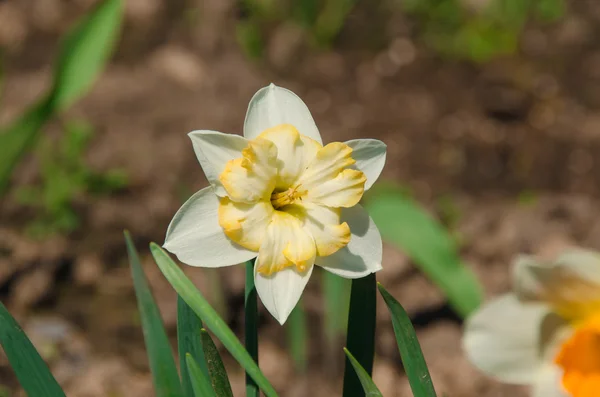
(278,195)
(546,333)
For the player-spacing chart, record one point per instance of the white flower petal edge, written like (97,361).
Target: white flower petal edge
(370,157)
(504,339)
(363,254)
(548,383)
(272,106)
(213,150)
(196,238)
(571,284)
(281,291)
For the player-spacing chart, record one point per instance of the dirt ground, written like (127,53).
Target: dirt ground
(484,137)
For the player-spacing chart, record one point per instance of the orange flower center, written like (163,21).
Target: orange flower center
(579,357)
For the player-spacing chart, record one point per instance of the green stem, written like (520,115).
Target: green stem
(361,332)
(251,325)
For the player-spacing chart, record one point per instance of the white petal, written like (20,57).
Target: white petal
(370,158)
(571,284)
(213,150)
(195,236)
(272,106)
(281,291)
(363,253)
(547,383)
(506,339)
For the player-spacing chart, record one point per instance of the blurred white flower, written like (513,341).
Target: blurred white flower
(279,195)
(547,332)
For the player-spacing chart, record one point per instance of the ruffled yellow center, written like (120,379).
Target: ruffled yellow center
(579,358)
(284,197)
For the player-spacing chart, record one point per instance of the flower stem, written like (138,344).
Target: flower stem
(360,340)
(251,325)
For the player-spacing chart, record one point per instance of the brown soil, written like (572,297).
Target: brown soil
(480,136)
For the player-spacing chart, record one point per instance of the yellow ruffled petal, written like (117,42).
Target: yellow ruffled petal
(294,152)
(251,178)
(329,161)
(345,190)
(285,243)
(323,223)
(245,223)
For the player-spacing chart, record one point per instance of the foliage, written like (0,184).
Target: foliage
(84,52)
(64,176)
(405,224)
(489,29)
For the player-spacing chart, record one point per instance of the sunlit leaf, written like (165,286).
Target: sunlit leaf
(30,368)
(404,223)
(189,342)
(367,383)
(194,298)
(216,369)
(410,350)
(162,363)
(199,380)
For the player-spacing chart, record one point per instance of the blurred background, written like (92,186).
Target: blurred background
(490,110)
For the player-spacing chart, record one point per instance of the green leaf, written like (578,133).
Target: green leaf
(297,336)
(85,51)
(162,364)
(216,369)
(336,292)
(402,222)
(189,343)
(30,368)
(16,139)
(200,381)
(410,350)
(192,296)
(361,332)
(251,325)
(367,383)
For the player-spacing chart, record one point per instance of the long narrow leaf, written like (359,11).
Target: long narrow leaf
(297,336)
(251,326)
(336,291)
(361,332)
(403,223)
(84,52)
(17,138)
(189,343)
(162,364)
(367,383)
(31,370)
(200,382)
(410,350)
(216,369)
(192,296)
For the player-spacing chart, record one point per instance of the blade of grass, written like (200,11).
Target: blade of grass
(85,51)
(216,369)
(361,332)
(251,326)
(193,297)
(189,343)
(297,336)
(367,383)
(200,382)
(402,222)
(162,363)
(31,370)
(410,350)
